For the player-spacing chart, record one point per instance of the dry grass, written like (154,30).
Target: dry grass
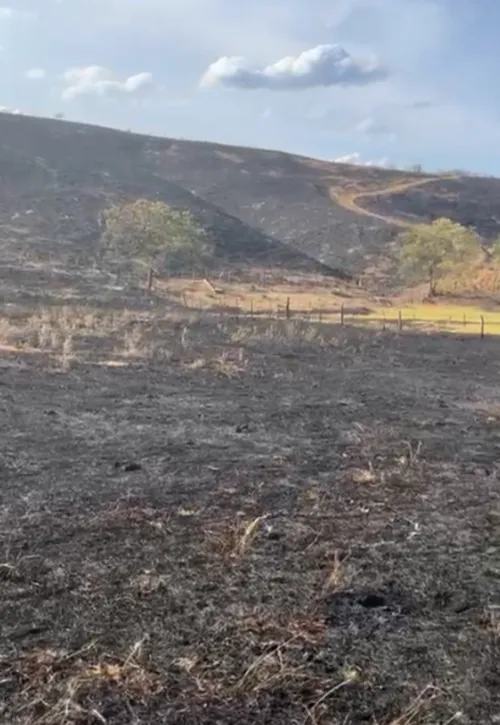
(314,712)
(434,317)
(61,332)
(229,364)
(419,706)
(283,331)
(234,540)
(364,475)
(337,575)
(321,300)
(271,669)
(71,333)
(479,278)
(60,688)
(305,296)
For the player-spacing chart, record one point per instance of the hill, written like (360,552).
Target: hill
(261,207)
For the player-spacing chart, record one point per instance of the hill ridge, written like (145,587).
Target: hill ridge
(262,207)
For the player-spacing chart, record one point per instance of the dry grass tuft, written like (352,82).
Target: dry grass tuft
(418,706)
(364,475)
(337,575)
(282,331)
(62,331)
(314,712)
(270,670)
(235,540)
(136,344)
(227,364)
(55,687)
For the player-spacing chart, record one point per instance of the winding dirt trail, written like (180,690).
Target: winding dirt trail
(350,200)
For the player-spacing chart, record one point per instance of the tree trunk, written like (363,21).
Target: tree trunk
(150,280)
(432,282)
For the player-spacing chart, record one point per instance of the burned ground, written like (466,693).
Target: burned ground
(264,522)
(470,201)
(206,519)
(259,207)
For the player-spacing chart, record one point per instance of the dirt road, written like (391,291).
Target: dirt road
(350,200)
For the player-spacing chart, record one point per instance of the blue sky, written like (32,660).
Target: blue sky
(389,81)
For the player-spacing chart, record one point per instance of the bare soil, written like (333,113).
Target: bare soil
(263,522)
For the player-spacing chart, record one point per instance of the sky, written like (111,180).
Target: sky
(389,82)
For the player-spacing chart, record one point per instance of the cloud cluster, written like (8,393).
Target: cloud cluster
(96,80)
(356,160)
(8,109)
(324,65)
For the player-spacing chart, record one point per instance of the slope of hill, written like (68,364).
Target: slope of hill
(55,179)
(261,207)
(468,200)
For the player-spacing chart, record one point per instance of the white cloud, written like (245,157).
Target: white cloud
(95,80)
(6,109)
(356,159)
(324,65)
(35,74)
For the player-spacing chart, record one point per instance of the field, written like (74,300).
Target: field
(268,497)
(207,520)
(320,299)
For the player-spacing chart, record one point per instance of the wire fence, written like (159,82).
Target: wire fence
(401,320)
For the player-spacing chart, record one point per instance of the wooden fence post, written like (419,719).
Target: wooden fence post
(383,321)
(287,309)
(400,320)
(342,315)
(482,327)
(465,320)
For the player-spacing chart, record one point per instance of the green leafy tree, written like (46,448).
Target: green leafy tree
(155,233)
(430,250)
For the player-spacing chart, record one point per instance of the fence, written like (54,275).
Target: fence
(344,316)
(402,319)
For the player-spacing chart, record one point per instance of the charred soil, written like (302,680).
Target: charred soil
(263,522)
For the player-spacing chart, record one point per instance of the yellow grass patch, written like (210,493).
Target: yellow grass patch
(322,300)
(463,319)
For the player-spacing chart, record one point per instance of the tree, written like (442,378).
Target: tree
(430,250)
(495,250)
(155,233)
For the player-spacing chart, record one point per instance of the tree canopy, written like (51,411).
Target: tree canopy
(495,250)
(161,236)
(430,250)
